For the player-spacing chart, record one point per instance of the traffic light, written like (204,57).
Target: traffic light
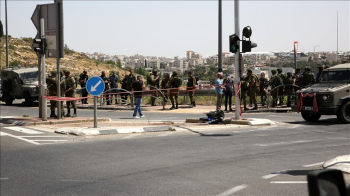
(247,45)
(39,45)
(234,47)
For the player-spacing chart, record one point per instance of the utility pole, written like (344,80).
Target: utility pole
(237,64)
(7,37)
(337,39)
(220,38)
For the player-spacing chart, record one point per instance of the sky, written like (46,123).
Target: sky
(170,28)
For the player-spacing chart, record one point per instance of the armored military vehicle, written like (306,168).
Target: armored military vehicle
(19,83)
(331,96)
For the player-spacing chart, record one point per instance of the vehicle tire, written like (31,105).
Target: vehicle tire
(28,99)
(8,100)
(309,117)
(343,114)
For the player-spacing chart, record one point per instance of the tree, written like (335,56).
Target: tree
(162,65)
(110,62)
(119,63)
(1,29)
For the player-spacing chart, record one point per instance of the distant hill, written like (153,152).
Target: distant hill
(20,50)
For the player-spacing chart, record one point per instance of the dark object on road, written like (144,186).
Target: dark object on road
(215,117)
(326,182)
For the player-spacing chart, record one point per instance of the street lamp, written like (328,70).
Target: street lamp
(315,47)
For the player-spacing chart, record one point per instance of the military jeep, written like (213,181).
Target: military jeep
(331,96)
(20,83)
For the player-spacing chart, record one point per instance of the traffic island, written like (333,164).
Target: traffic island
(245,121)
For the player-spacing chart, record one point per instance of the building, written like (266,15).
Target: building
(154,63)
(179,64)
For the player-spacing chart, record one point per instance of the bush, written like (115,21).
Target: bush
(15,63)
(11,47)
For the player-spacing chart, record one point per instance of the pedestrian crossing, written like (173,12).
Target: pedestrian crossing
(33,136)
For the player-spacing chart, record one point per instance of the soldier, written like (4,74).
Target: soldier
(174,91)
(191,86)
(308,77)
(131,79)
(124,83)
(83,79)
(262,88)
(244,90)
(113,82)
(52,87)
(69,90)
(254,84)
(164,87)
(105,80)
(289,89)
(281,89)
(153,81)
(274,82)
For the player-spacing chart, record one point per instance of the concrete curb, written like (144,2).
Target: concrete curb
(24,123)
(80,131)
(250,121)
(341,163)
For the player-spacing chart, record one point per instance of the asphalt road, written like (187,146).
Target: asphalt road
(266,160)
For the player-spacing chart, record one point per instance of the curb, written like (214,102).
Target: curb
(250,121)
(84,131)
(24,123)
(341,163)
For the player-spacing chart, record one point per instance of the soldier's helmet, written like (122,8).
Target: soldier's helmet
(298,68)
(307,68)
(279,70)
(175,73)
(289,74)
(273,71)
(54,72)
(114,72)
(66,71)
(84,71)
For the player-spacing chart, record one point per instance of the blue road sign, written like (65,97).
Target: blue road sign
(95,86)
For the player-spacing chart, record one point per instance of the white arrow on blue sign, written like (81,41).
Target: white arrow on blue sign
(95,86)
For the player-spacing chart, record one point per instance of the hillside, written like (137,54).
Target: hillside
(20,50)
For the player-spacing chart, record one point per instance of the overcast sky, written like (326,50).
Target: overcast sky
(170,28)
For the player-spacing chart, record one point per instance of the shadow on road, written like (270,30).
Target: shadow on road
(325,122)
(203,134)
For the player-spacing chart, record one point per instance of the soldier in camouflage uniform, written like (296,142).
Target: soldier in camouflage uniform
(105,80)
(262,88)
(191,86)
(113,83)
(244,90)
(254,84)
(281,89)
(174,92)
(274,82)
(130,79)
(164,87)
(70,92)
(289,89)
(83,79)
(308,77)
(298,79)
(52,87)
(154,82)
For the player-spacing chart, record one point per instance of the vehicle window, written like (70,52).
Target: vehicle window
(29,76)
(328,76)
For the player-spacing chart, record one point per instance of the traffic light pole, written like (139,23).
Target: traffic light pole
(220,38)
(43,76)
(237,64)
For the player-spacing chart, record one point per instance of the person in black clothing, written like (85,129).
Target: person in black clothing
(138,86)
(105,79)
(113,81)
(228,83)
(83,79)
(124,86)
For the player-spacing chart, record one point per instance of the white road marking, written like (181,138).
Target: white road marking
(24,130)
(50,140)
(233,190)
(3,178)
(284,143)
(2,133)
(43,136)
(20,138)
(288,182)
(314,164)
(77,180)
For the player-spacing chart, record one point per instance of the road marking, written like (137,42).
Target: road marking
(288,182)
(20,138)
(43,136)
(77,180)
(233,190)
(285,143)
(24,130)
(3,178)
(50,140)
(2,133)
(314,164)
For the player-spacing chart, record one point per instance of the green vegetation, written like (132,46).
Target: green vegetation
(119,63)
(11,47)
(28,39)
(67,50)
(15,63)
(25,115)
(162,65)
(110,62)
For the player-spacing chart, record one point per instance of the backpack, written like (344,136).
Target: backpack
(178,82)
